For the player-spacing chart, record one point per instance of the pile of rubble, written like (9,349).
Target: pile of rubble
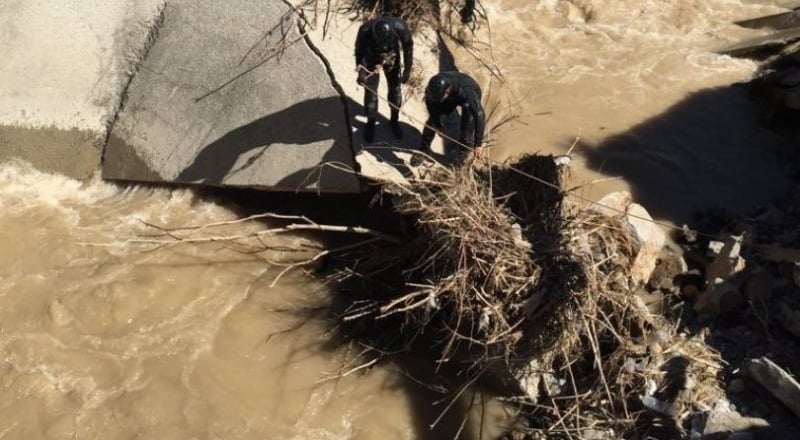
(740,288)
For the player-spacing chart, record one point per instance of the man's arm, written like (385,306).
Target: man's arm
(404,35)
(433,123)
(477,112)
(361,44)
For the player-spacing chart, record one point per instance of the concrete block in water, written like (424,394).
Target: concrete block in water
(64,68)
(231,94)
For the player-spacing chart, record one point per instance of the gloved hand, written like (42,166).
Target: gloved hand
(406,75)
(479,152)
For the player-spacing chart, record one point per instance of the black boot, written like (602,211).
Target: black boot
(397,131)
(369,131)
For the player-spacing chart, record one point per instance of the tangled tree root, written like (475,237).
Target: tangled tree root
(502,279)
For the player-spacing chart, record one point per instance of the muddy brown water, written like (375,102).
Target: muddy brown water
(190,342)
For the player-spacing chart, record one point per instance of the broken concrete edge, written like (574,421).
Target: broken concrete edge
(304,31)
(136,59)
(753,46)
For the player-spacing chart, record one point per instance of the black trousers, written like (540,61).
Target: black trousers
(395,97)
(456,150)
(467,133)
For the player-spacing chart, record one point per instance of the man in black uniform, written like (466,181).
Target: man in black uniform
(447,91)
(378,48)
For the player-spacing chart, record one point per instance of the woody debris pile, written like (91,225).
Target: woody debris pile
(503,281)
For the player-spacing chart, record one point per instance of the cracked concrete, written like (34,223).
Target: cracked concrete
(230,95)
(65,65)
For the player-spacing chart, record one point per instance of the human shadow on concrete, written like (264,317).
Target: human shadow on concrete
(707,151)
(447,62)
(299,125)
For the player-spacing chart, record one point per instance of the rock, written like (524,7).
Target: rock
(724,421)
(726,261)
(719,298)
(596,434)
(552,385)
(379,170)
(777,381)
(652,301)
(659,406)
(669,266)
(613,204)
(796,274)
(530,385)
(771,217)
(651,238)
(758,287)
(690,292)
(649,235)
(736,386)
(789,317)
(689,234)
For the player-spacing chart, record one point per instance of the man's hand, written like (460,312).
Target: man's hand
(406,76)
(364,73)
(478,150)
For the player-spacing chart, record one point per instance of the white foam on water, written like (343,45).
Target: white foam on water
(23,187)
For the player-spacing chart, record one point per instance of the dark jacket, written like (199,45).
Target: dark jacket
(369,52)
(464,93)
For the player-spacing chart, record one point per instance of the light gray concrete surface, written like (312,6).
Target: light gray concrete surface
(220,100)
(64,67)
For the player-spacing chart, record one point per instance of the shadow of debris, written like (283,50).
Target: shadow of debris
(299,125)
(706,151)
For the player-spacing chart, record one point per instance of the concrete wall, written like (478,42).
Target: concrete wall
(64,67)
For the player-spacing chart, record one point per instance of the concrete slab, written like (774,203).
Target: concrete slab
(230,94)
(769,44)
(784,20)
(64,67)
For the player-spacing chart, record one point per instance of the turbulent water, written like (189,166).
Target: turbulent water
(101,338)
(637,87)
